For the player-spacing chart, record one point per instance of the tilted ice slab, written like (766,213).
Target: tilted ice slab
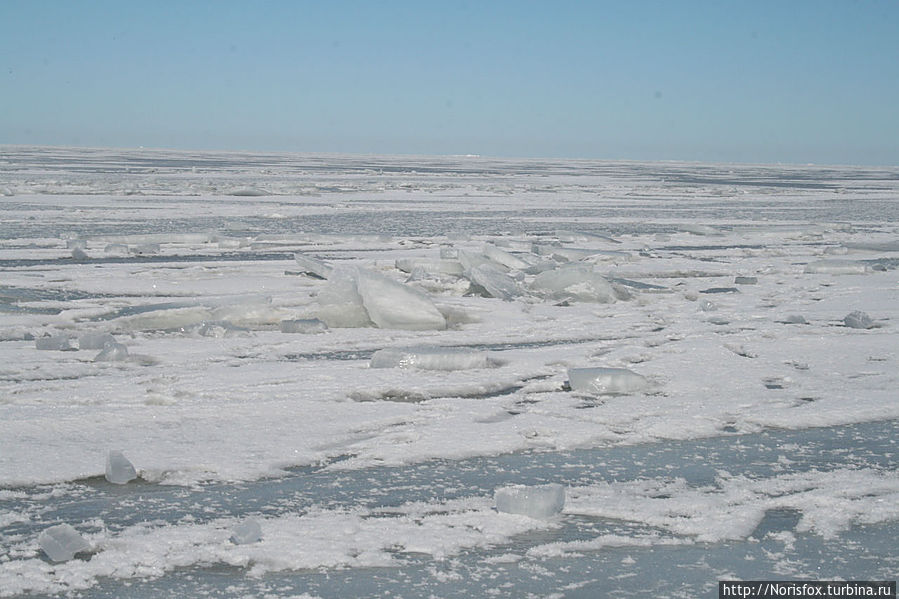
(428,265)
(392,305)
(494,282)
(606,381)
(119,469)
(430,358)
(62,542)
(503,257)
(359,297)
(312,266)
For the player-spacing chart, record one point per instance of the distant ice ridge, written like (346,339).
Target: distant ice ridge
(430,358)
(539,501)
(359,297)
(62,542)
(606,381)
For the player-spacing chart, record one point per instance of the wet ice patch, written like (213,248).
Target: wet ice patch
(303,325)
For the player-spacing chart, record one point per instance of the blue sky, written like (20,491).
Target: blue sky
(757,81)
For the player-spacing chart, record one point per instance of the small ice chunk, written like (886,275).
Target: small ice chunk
(795,319)
(443,267)
(119,469)
(606,381)
(858,320)
(53,343)
(62,542)
(494,281)
(702,230)
(249,192)
(575,282)
(313,267)
(504,258)
(247,531)
(340,305)
(79,255)
(392,305)
(112,352)
(303,325)
(538,501)
(116,249)
(94,340)
(836,267)
(430,358)
(145,249)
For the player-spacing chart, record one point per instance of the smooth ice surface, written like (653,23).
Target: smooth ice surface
(62,542)
(430,358)
(606,381)
(536,501)
(119,470)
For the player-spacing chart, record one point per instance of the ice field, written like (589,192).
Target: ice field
(233,374)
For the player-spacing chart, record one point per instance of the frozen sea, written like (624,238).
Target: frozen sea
(355,352)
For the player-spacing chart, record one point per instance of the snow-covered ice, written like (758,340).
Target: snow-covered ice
(548,307)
